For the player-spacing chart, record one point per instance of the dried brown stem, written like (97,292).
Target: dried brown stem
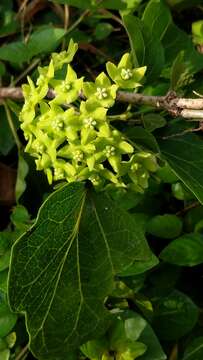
(22,353)
(176,106)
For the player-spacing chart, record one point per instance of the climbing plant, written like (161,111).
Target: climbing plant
(101,187)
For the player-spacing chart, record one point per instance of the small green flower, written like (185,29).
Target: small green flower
(94,120)
(43,162)
(106,356)
(31,99)
(141,165)
(64,57)
(102,91)
(111,149)
(90,123)
(68,90)
(124,75)
(60,124)
(96,180)
(59,173)
(148,160)
(78,143)
(46,74)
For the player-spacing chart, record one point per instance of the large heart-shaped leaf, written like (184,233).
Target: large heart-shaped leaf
(63,268)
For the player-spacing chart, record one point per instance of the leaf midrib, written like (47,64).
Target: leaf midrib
(61,265)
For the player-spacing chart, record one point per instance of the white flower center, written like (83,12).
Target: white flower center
(57,124)
(95,179)
(126,74)
(110,150)
(78,155)
(101,93)
(134,167)
(58,173)
(39,147)
(66,86)
(90,123)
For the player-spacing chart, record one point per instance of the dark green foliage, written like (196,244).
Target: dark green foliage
(112,274)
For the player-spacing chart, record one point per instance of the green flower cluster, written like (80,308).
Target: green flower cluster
(72,139)
(121,342)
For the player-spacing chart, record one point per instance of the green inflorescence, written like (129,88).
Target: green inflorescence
(72,139)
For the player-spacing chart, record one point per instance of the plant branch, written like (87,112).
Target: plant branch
(176,106)
(22,353)
(11,125)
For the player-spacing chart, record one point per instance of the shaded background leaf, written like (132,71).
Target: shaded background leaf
(186,164)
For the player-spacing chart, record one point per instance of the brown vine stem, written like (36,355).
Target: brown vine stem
(174,353)
(176,106)
(187,208)
(22,353)
(11,125)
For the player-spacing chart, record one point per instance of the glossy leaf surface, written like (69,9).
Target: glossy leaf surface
(67,261)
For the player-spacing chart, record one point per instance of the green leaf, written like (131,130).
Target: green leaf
(11,339)
(164,279)
(8,19)
(181,53)
(113,4)
(4,281)
(127,199)
(188,165)
(166,174)
(102,30)
(14,107)
(4,260)
(155,58)
(187,250)
(175,315)
(142,137)
(134,28)
(21,175)
(5,354)
(89,4)
(2,69)
(5,241)
(6,137)
(153,121)
(174,41)
(179,72)
(77,3)
(3,344)
(166,226)
(44,41)
(67,261)
(180,192)
(146,48)
(19,216)
(7,318)
(197,32)
(135,326)
(41,41)
(185,65)
(192,218)
(15,52)
(140,267)
(194,351)
(183,4)
(157,18)
(95,348)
